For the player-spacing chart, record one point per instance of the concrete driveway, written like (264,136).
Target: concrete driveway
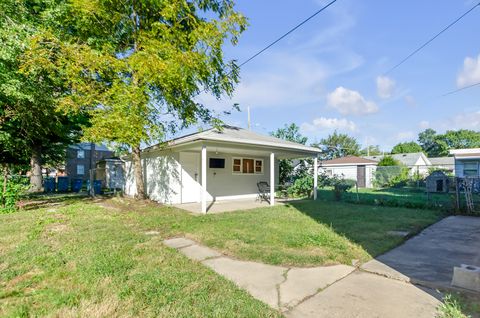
(428,258)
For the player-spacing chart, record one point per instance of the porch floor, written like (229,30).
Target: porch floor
(228,205)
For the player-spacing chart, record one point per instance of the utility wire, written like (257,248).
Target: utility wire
(433,38)
(289,32)
(461,89)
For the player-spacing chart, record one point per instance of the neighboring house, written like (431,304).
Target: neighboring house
(417,162)
(467,162)
(80,159)
(214,165)
(443,163)
(351,167)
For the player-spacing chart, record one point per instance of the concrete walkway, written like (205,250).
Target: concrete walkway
(329,291)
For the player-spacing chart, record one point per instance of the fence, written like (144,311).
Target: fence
(409,186)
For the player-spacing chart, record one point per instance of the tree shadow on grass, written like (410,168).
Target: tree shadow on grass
(45,200)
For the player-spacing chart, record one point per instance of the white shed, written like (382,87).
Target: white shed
(214,165)
(351,167)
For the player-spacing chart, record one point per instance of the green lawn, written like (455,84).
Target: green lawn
(84,258)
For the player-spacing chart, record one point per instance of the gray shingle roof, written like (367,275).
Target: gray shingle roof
(87,146)
(238,135)
(408,159)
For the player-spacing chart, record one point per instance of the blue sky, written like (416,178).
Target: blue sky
(329,74)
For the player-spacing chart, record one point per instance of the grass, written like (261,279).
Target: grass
(459,306)
(84,258)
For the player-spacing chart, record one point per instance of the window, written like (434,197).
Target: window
(80,169)
(80,154)
(470,169)
(247,166)
(217,163)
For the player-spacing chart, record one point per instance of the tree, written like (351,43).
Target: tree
(406,147)
(371,151)
(31,124)
(388,161)
(439,144)
(136,67)
(339,145)
(291,133)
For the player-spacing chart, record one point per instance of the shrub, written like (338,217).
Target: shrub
(340,186)
(16,185)
(301,187)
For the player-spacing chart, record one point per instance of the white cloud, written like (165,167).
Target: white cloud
(470,73)
(349,102)
(470,120)
(328,124)
(424,124)
(385,87)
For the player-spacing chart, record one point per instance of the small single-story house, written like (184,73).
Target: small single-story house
(417,161)
(351,167)
(214,165)
(467,162)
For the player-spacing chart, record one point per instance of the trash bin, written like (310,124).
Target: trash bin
(49,184)
(62,184)
(97,186)
(77,185)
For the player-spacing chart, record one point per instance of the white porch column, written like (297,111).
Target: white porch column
(204,179)
(272,179)
(315,177)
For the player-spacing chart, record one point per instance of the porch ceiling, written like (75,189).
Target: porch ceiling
(244,149)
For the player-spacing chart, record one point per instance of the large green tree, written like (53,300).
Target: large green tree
(439,144)
(136,67)
(339,145)
(371,150)
(406,147)
(32,126)
(286,166)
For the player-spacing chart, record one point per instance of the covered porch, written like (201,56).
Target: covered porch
(228,174)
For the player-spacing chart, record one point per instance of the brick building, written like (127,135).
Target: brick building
(80,160)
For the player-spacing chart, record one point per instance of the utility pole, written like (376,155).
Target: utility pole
(248,119)
(91,170)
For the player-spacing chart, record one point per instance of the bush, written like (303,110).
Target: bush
(301,187)
(340,186)
(16,185)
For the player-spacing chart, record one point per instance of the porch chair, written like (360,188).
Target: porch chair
(263,191)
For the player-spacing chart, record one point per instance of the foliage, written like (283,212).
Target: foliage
(288,173)
(406,147)
(16,186)
(301,187)
(340,186)
(450,308)
(137,69)
(436,145)
(390,173)
(371,151)
(339,145)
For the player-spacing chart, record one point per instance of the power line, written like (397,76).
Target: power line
(433,38)
(461,89)
(289,32)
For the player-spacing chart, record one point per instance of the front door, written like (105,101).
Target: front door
(361,176)
(191,187)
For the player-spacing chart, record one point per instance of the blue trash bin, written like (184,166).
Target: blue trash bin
(62,184)
(77,185)
(49,184)
(97,186)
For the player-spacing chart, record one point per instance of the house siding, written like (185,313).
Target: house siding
(72,161)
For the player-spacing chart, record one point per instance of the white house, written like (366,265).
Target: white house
(214,165)
(351,167)
(417,162)
(467,162)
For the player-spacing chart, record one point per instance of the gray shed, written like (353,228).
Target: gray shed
(437,182)
(110,171)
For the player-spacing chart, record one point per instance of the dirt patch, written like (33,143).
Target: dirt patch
(107,307)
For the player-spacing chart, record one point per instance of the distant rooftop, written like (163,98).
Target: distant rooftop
(349,160)
(88,145)
(408,159)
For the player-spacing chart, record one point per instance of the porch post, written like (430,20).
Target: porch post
(204,179)
(272,179)
(315,177)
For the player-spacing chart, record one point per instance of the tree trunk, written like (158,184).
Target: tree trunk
(36,171)
(137,168)
(5,180)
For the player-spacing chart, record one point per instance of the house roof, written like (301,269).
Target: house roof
(466,153)
(87,146)
(408,159)
(439,161)
(236,135)
(348,160)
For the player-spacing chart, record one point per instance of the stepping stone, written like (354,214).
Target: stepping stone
(199,253)
(178,242)
(260,280)
(364,295)
(152,233)
(304,282)
(398,233)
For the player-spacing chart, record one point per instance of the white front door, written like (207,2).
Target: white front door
(191,187)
